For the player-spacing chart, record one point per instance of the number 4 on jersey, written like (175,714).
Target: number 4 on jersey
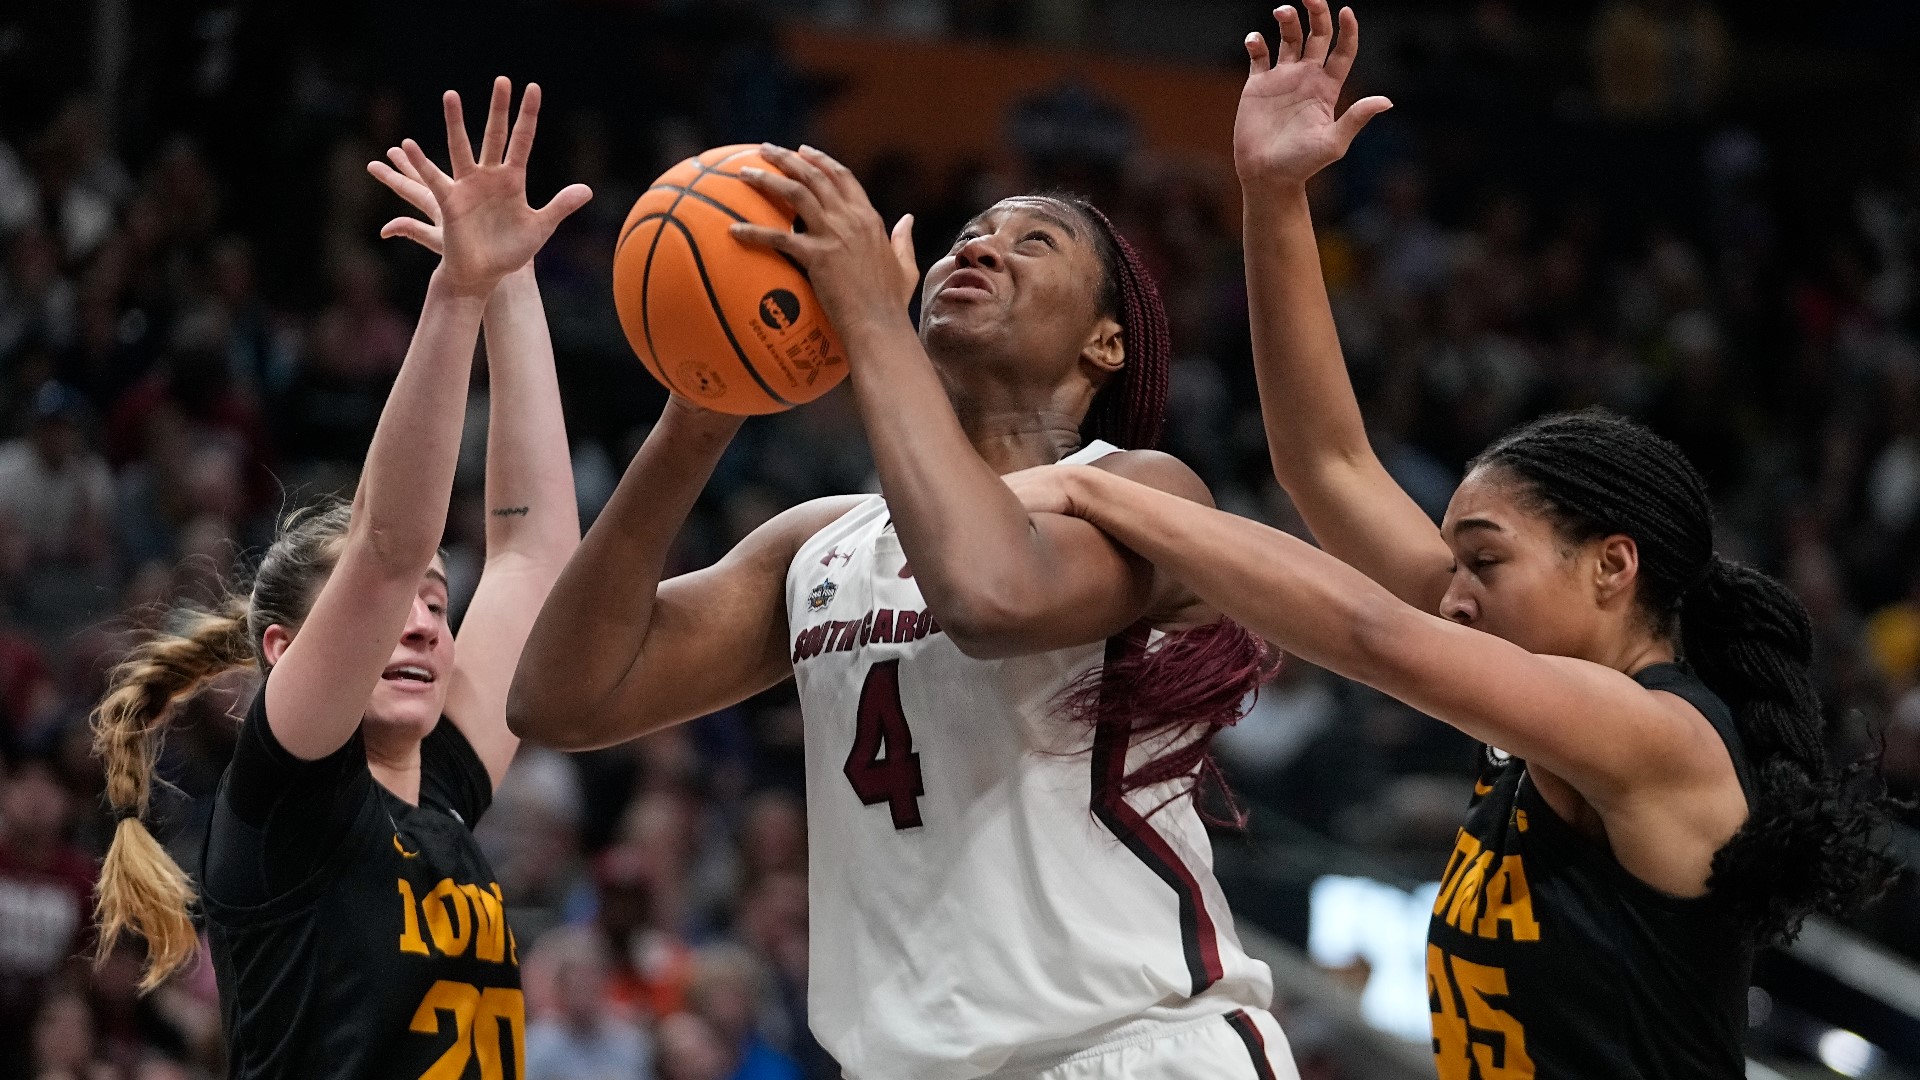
(882,766)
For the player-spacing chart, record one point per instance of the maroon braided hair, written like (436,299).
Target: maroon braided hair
(1131,409)
(1182,691)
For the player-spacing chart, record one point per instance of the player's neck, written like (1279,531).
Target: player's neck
(394,759)
(1017,427)
(1020,439)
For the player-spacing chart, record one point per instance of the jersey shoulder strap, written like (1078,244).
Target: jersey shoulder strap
(1090,453)
(1680,681)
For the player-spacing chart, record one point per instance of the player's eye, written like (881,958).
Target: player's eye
(1044,237)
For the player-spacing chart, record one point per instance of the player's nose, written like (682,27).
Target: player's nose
(979,253)
(422,625)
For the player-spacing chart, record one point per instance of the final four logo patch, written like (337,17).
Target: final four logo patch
(821,596)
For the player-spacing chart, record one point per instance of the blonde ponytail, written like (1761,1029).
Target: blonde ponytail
(141,888)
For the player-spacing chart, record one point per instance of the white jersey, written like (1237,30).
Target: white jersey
(981,897)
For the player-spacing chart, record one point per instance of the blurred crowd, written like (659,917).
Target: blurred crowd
(198,328)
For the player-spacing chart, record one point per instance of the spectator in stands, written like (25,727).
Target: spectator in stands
(63,1040)
(652,964)
(46,897)
(56,495)
(691,1050)
(583,1039)
(729,991)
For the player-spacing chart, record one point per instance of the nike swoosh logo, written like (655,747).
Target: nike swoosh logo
(404,853)
(1481,787)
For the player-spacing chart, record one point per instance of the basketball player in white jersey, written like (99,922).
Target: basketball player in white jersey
(1007,876)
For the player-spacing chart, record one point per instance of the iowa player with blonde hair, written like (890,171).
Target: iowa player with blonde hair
(356,928)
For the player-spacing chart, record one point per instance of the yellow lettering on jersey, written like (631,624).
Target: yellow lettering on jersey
(1466,897)
(1468,1030)
(490,924)
(410,939)
(1477,984)
(1509,901)
(513,947)
(462,1001)
(1449,1027)
(446,907)
(1465,850)
(500,1004)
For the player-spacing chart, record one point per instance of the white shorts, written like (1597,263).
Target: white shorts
(1245,1044)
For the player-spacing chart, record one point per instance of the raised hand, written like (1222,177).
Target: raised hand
(405,181)
(481,223)
(1286,129)
(846,249)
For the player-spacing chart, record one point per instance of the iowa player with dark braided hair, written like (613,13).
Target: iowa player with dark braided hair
(1005,714)
(1655,801)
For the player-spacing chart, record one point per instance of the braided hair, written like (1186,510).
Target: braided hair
(1179,692)
(1808,844)
(142,890)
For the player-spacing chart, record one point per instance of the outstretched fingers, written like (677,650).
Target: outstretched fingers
(459,150)
(493,141)
(520,146)
(564,202)
(1257,58)
(1357,115)
(406,187)
(1320,32)
(1340,61)
(1291,35)
(427,236)
(437,182)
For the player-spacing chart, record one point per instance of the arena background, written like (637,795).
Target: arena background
(1706,216)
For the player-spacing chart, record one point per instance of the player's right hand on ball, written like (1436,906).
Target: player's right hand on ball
(1286,129)
(478,218)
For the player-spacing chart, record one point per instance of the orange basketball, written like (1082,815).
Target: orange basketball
(733,328)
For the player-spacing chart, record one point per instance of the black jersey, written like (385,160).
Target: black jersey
(1547,958)
(356,936)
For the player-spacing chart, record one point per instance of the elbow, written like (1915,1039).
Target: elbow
(984,626)
(531,717)
(400,549)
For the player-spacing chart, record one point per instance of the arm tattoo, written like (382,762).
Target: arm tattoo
(510,511)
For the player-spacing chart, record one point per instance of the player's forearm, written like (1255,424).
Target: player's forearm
(1280,587)
(593,629)
(1306,397)
(971,543)
(529,498)
(400,507)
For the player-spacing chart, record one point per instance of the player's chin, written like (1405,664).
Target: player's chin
(405,710)
(952,326)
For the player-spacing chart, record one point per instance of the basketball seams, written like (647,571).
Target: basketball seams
(680,313)
(713,301)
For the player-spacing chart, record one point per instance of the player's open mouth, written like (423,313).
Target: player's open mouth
(967,284)
(408,673)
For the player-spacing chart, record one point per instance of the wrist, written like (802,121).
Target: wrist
(454,287)
(450,289)
(872,324)
(696,421)
(1279,192)
(1083,484)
